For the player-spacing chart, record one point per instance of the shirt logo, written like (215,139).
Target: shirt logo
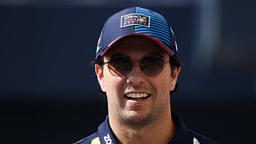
(107,139)
(133,19)
(195,141)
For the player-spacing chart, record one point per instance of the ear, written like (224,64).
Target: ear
(100,76)
(174,77)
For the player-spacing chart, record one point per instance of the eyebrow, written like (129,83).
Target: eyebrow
(154,54)
(158,54)
(118,55)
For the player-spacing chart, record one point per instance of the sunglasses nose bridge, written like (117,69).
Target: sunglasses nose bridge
(136,67)
(135,70)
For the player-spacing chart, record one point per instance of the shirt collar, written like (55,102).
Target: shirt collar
(105,133)
(107,137)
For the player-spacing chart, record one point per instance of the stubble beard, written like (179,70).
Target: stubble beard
(136,119)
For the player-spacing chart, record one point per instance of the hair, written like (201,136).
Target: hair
(174,62)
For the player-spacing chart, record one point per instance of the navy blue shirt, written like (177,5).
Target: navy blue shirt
(183,135)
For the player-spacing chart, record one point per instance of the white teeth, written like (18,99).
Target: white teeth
(137,95)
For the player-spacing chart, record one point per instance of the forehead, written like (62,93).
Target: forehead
(133,46)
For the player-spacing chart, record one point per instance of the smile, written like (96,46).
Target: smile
(137,95)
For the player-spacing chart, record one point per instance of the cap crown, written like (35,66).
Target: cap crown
(136,21)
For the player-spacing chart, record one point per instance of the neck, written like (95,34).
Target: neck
(158,131)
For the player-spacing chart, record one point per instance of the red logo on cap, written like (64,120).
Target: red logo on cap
(133,19)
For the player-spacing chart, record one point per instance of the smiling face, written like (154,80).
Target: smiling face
(136,97)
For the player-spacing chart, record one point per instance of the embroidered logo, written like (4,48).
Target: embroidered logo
(135,19)
(108,139)
(96,141)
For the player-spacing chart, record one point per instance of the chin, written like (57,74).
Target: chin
(136,118)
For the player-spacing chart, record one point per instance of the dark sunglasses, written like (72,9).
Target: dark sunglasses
(150,65)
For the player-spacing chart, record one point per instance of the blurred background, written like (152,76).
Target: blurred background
(48,90)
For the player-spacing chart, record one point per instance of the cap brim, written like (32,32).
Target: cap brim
(162,45)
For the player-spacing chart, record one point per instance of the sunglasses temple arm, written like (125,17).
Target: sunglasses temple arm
(115,71)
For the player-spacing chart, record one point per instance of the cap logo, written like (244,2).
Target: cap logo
(134,19)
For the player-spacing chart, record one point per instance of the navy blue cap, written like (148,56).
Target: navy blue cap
(136,21)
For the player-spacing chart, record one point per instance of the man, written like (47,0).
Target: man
(137,70)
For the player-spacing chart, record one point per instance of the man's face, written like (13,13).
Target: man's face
(136,97)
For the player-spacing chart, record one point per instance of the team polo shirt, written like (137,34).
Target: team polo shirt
(183,135)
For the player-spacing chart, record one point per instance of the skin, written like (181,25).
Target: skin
(144,121)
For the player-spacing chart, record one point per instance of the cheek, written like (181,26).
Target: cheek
(161,84)
(113,85)
(162,98)
(164,83)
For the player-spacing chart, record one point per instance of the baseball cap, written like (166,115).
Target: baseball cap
(137,21)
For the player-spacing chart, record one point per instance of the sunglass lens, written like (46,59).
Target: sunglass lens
(152,65)
(120,66)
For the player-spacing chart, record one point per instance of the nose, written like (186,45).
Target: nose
(136,76)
